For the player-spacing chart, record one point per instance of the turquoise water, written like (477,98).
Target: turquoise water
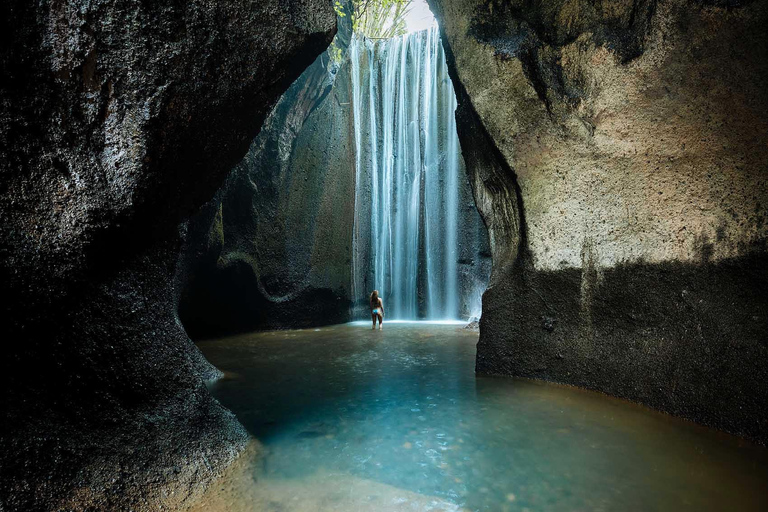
(400,415)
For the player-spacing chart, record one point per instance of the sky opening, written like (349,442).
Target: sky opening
(419,17)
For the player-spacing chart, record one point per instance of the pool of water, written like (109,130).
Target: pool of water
(354,419)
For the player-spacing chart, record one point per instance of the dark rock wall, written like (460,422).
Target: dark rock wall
(117,120)
(273,249)
(618,155)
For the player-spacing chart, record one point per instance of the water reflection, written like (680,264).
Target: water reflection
(399,415)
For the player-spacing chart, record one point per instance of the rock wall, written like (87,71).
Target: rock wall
(618,155)
(118,119)
(273,248)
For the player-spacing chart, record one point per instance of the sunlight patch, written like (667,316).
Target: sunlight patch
(419,16)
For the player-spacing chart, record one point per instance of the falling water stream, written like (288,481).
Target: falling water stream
(349,418)
(407,176)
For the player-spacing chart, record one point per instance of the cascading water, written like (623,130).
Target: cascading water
(406,235)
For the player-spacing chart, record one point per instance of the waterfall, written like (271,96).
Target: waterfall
(405,238)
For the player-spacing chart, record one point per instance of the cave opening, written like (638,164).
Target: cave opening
(356,183)
(198,198)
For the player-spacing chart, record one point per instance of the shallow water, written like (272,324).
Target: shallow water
(354,419)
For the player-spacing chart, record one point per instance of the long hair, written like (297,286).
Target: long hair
(375,298)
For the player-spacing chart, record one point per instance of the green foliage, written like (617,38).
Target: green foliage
(335,53)
(379,19)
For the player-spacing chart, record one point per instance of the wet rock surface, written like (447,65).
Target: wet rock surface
(617,157)
(273,248)
(118,120)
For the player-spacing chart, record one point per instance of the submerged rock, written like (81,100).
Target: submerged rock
(473,325)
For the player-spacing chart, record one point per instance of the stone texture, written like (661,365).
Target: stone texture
(273,248)
(617,153)
(118,120)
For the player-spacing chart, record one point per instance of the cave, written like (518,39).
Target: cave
(561,205)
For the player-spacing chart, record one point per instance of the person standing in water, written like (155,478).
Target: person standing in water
(377,309)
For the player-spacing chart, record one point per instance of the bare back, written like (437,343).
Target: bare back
(377,309)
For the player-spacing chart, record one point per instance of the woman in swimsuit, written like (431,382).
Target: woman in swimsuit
(377,309)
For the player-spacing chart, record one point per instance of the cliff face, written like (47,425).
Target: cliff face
(273,248)
(617,153)
(118,120)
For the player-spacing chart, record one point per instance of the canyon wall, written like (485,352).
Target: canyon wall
(618,156)
(274,248)
(118,120)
